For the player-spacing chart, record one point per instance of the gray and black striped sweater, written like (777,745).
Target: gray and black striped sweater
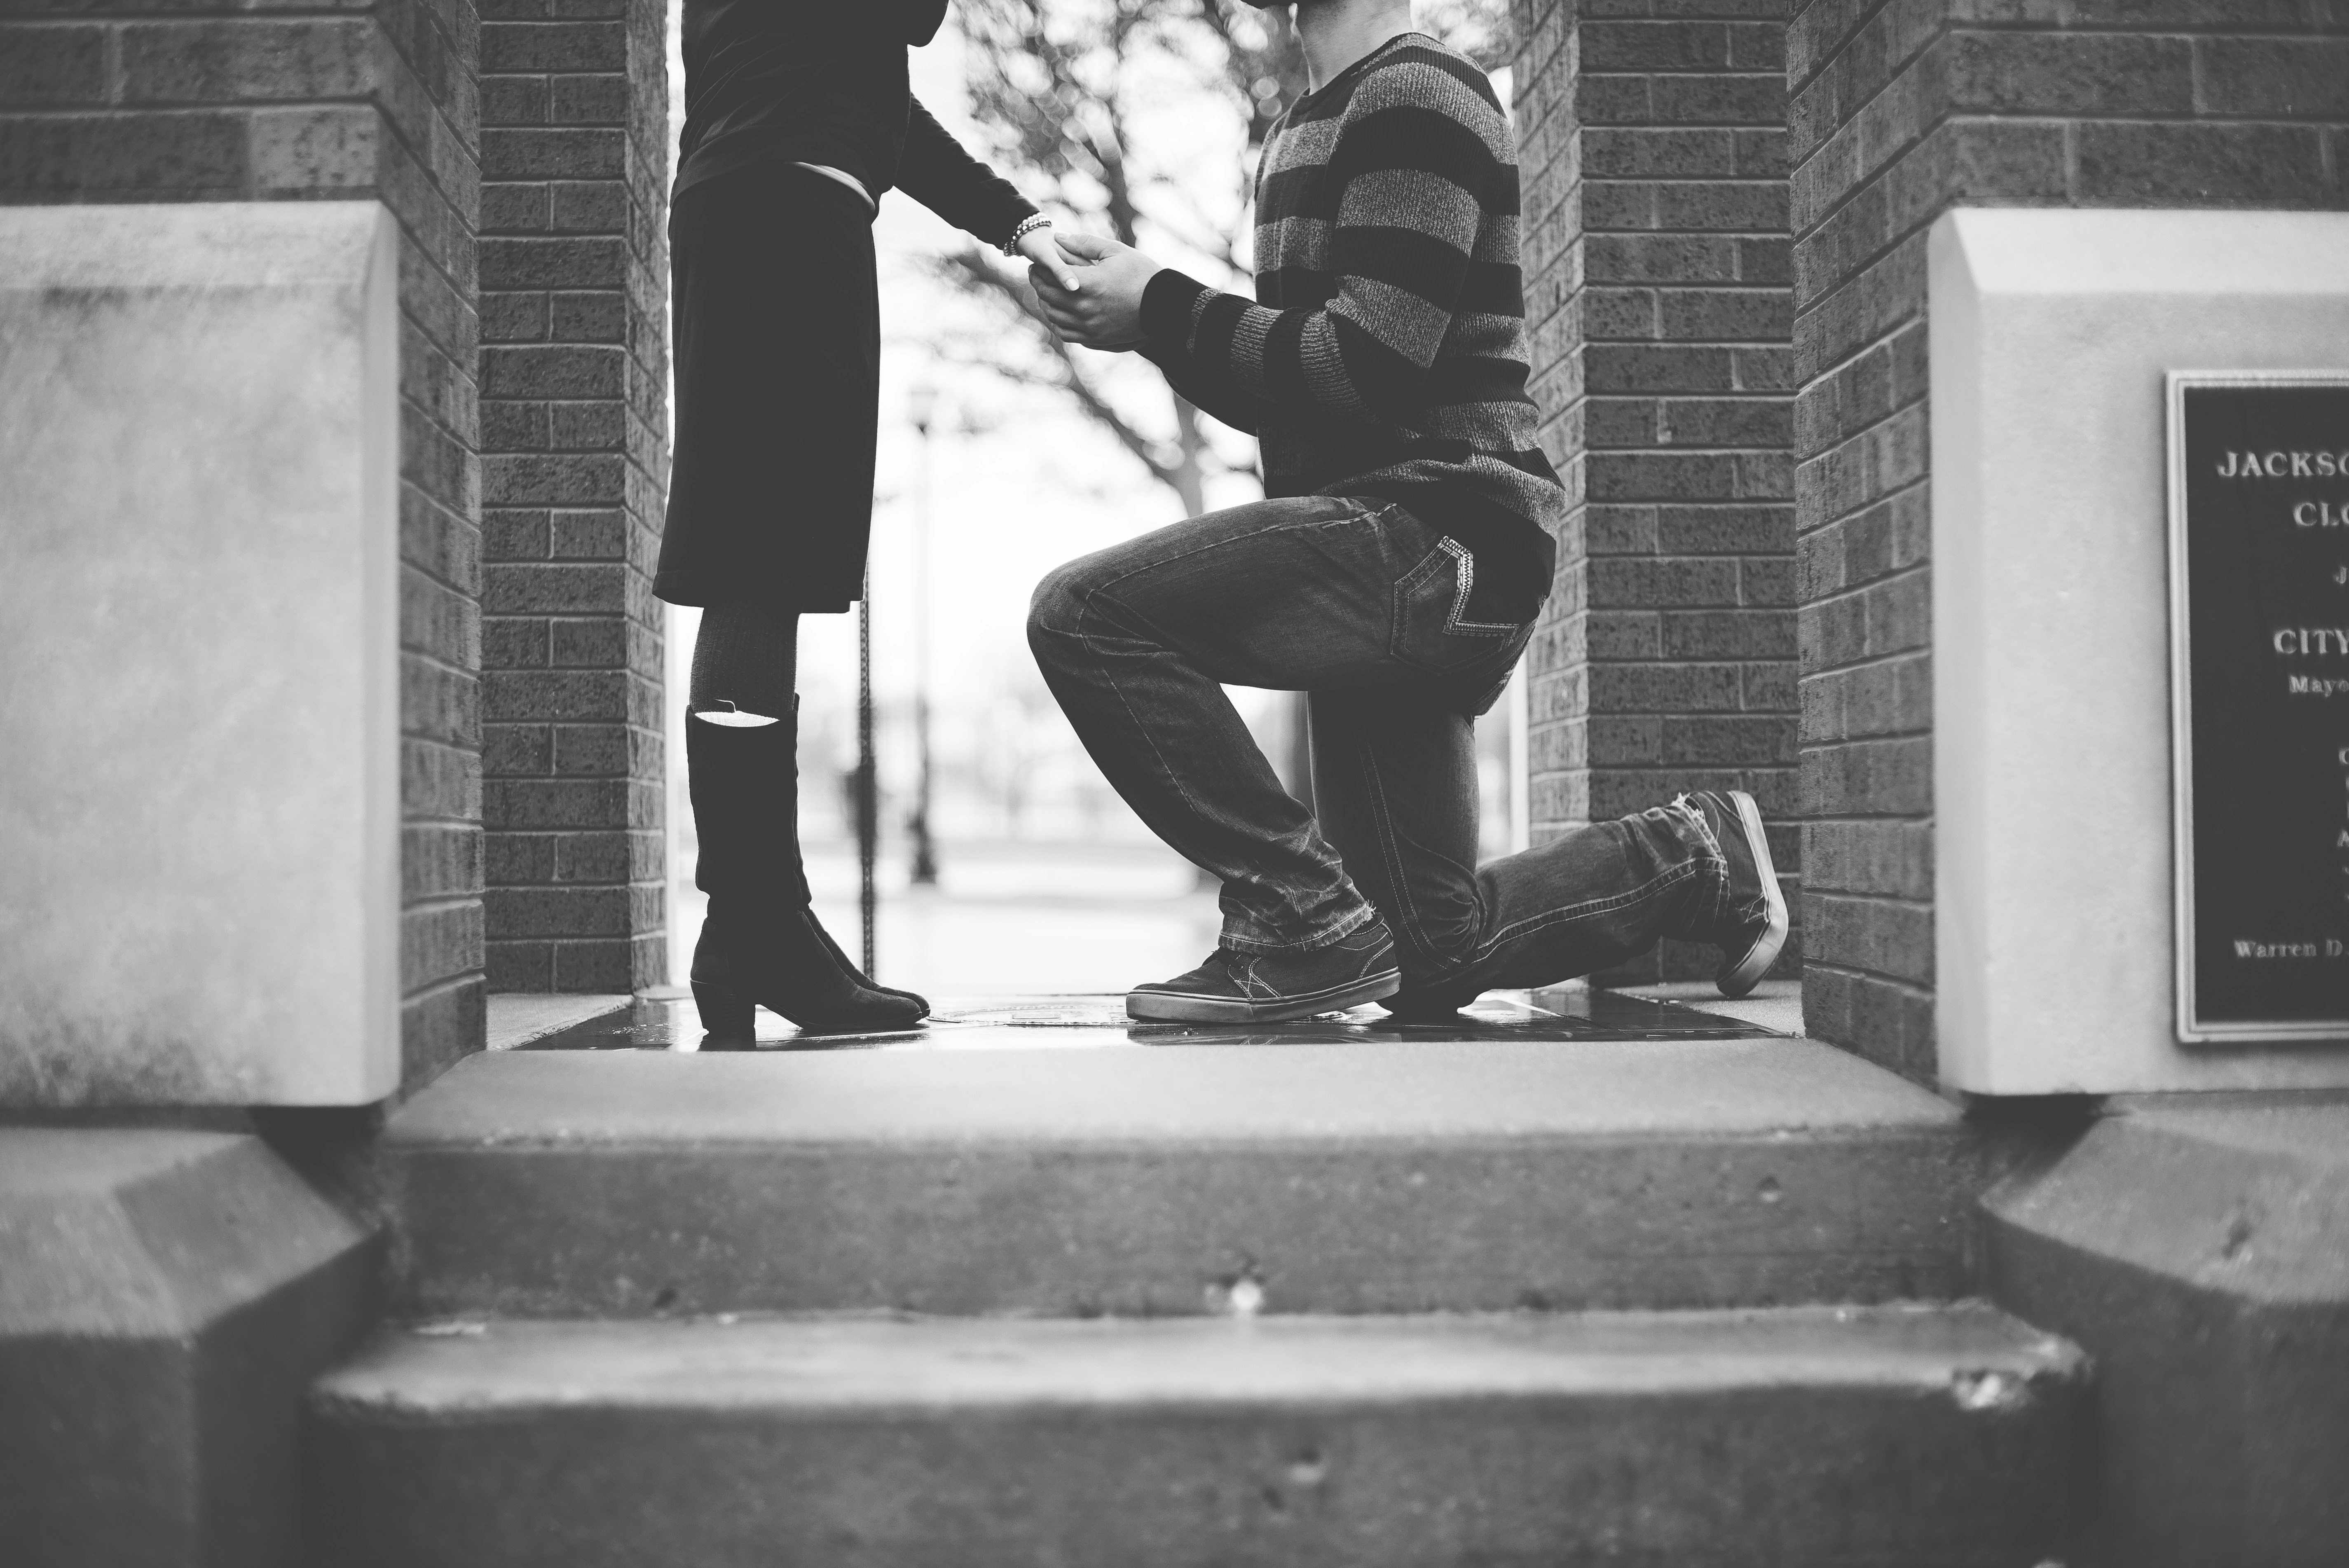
(1385,354)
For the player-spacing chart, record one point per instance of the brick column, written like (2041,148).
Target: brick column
(1898,113)
(574,436)
(1652,139)
(113,102)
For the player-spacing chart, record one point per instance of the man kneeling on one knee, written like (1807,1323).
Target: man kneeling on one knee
(1394,575)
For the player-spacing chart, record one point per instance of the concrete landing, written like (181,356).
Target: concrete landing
(518,1017)
(1911,1438)
(1385,1176)
(666,1021)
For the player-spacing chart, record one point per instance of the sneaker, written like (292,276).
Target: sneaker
(1754,910)
(1233,987)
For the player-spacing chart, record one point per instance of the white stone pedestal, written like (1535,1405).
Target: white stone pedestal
(2051,333)
(199,719)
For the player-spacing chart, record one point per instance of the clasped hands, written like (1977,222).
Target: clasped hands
(1095,303)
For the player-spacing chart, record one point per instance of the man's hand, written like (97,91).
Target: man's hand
(1105,310)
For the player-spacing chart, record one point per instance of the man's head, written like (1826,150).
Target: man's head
(1329,7)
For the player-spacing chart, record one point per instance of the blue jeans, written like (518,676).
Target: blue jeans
(1360,605)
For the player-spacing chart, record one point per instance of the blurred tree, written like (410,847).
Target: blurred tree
(1143,119)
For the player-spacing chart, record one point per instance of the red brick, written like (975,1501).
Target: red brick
(552,264)
(1882,1020)
(1718,100)
(581,153)
(439,860)
(588,100)
(585,479)
(1659,258)
(247,59)
(2151,164)
(1654,45)
(192,154)
(513,696)
(436,940)
(605,857)
(543,803)
(510,48)
(522,859)
(521,965)
(515,101)
(554,911)
(588,426)
(1674,154)
(589,317)
(2042,73)
(51,67)
(2280,77)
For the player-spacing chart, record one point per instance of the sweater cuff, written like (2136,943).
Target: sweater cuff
(1166,304)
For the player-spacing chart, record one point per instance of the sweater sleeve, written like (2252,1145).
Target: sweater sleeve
(1412,180)
(1234,410)
(936,171)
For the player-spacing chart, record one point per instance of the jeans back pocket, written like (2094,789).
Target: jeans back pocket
(1432,628)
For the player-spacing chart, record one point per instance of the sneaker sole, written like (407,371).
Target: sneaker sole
(1737,978)
(1194,1007)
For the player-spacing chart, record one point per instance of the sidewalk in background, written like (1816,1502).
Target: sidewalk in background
(1008,917)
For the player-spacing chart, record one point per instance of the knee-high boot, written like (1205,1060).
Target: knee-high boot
(761,945)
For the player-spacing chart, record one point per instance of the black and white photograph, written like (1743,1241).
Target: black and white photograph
(1174,783)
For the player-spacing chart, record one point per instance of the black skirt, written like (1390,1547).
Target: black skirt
(778,360)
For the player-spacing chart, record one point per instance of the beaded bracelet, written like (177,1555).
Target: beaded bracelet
(1028,225)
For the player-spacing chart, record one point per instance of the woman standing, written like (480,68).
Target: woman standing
(798,118)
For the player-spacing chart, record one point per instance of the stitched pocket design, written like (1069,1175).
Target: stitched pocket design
(1431,629)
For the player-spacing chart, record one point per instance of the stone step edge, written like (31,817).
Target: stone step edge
(1486,1093)
(501,1368)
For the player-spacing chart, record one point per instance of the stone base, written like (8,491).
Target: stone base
(200,784)
(2051,333)
(2200,1254)
(165,1298)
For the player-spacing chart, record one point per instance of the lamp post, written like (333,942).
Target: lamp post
(921,404)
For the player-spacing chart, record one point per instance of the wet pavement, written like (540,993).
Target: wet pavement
(664,1021)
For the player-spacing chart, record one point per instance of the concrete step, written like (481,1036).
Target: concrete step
(1367,1178)
(1908,1437)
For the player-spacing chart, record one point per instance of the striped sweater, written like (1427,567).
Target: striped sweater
(1384,356)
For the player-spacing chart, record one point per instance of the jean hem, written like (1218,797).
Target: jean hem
(1714,862)
(1328,936)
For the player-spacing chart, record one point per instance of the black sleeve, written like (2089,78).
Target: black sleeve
(936,171)
(911,22)
(1232,409)
(1409,183)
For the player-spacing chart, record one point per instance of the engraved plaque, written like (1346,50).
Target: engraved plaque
(2260,676)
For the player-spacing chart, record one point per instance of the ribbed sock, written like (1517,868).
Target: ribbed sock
(746,657)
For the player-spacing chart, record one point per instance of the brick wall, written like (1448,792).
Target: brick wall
(574,277)
(1652,139)
(125,102)
(1549,152)
(1899,111)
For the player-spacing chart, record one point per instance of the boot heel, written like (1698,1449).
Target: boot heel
(727,1015)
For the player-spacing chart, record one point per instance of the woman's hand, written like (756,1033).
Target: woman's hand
(1105,310)
(1043,252)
